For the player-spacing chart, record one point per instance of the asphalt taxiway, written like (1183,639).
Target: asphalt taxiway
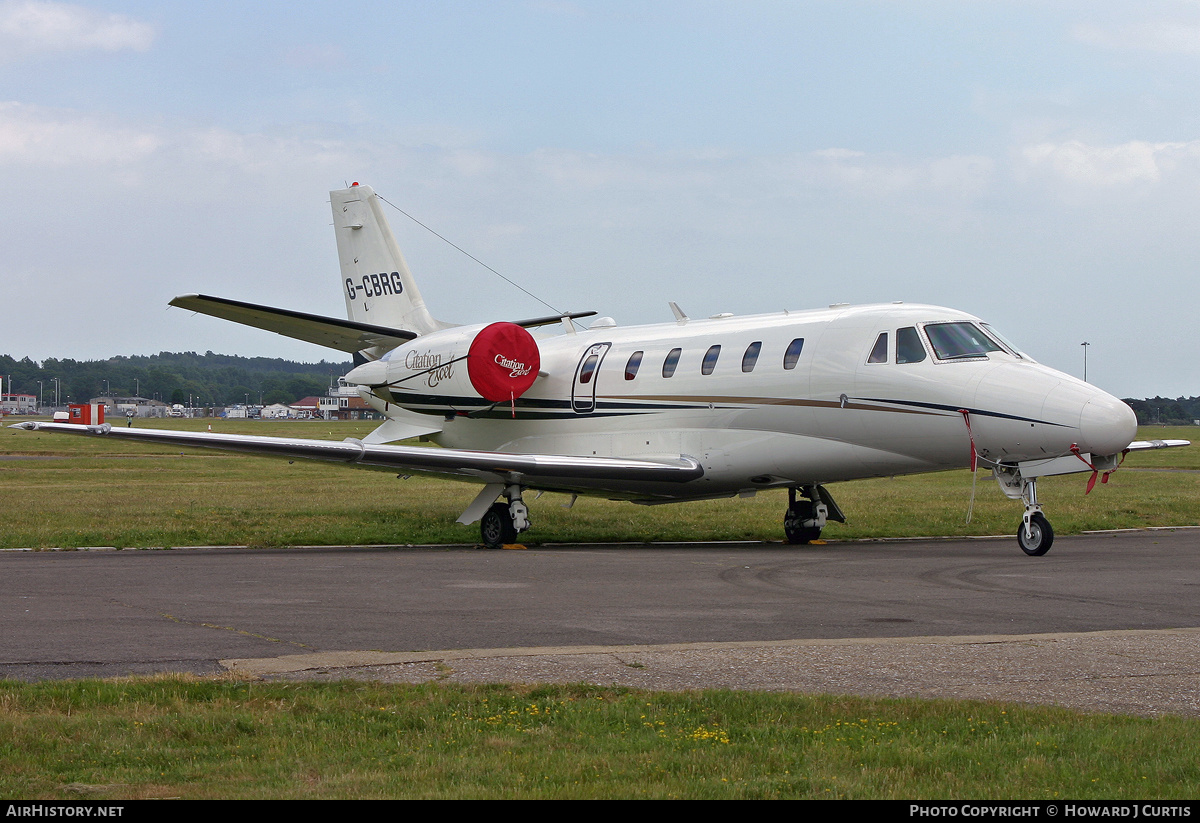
(1106,621)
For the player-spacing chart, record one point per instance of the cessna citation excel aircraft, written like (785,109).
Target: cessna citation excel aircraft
(684,410)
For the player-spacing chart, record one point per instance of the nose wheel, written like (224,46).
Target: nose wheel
(1035,535)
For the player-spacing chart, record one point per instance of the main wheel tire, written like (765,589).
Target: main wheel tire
(496,527)
(793,528)
(1041,536)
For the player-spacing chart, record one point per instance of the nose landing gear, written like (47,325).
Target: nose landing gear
(1035,536)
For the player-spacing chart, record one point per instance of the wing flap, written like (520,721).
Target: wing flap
(343,335)
(557,470)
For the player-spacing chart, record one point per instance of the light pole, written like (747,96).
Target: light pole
(55,379)
(39,396)
(1085,345)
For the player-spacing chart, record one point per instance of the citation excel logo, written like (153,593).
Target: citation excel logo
(518,369)
(375,285)
(431,363)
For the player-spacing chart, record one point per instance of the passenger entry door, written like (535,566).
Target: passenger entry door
(583,388)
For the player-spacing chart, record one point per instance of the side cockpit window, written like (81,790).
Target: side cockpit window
(879,351)
(908,345)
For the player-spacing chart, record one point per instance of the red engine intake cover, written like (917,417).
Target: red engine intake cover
(503,362)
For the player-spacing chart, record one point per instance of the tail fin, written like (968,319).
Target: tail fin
(378,287)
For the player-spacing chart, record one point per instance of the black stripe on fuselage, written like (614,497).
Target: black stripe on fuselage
(959,409)
(535,408)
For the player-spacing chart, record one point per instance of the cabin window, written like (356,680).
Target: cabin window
(908,346)
(751,356)
(671,362)
(710,359)
(631,368)
(792,355)
(588,368)
(958,341)
(879,352)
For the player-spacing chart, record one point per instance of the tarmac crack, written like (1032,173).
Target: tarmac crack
(200,624)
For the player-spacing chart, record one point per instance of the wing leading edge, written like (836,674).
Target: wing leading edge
(553,471)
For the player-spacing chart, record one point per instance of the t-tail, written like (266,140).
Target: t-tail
(376,282)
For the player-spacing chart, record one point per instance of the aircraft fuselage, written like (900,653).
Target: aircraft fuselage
(788,399)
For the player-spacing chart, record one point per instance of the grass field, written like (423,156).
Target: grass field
(224,738)
(100,492)
(187,738)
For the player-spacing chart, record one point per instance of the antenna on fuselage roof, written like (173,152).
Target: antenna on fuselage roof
(680,317)
(512,283)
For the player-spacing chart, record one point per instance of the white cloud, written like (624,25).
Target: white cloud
(35,26)
(35,135)
(1135,162)
(1163,37)
(889,175)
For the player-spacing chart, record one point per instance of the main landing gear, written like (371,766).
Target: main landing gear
(1034,535)
(504,521)
(804,519)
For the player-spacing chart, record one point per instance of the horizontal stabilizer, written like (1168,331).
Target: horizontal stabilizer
(343,335)
(553,318)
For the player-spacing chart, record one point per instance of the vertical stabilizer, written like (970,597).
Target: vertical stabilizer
(378,287)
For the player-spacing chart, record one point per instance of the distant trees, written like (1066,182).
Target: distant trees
(205,379)
(1164,410)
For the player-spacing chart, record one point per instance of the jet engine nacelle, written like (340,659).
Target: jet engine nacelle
(496,361)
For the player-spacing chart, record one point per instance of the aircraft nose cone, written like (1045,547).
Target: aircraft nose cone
(1107,425)
(369,374)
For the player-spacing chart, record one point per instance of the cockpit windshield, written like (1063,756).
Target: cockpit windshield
(958,341)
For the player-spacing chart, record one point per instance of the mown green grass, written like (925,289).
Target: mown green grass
(223,738)
(101,492)
(188,738)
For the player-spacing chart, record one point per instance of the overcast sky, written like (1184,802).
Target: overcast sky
(1034,163)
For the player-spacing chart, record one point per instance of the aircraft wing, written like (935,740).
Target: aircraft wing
(1140,445)
(547,471)
(343,335)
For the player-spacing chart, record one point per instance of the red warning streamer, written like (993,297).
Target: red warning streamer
(1091,484)
(966,413)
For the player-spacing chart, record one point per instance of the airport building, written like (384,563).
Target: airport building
(18,404)
(133,407)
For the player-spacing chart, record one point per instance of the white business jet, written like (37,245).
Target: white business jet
(684,410)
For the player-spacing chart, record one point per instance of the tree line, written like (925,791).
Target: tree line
(211,379)
(1166,411)
(189,378)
